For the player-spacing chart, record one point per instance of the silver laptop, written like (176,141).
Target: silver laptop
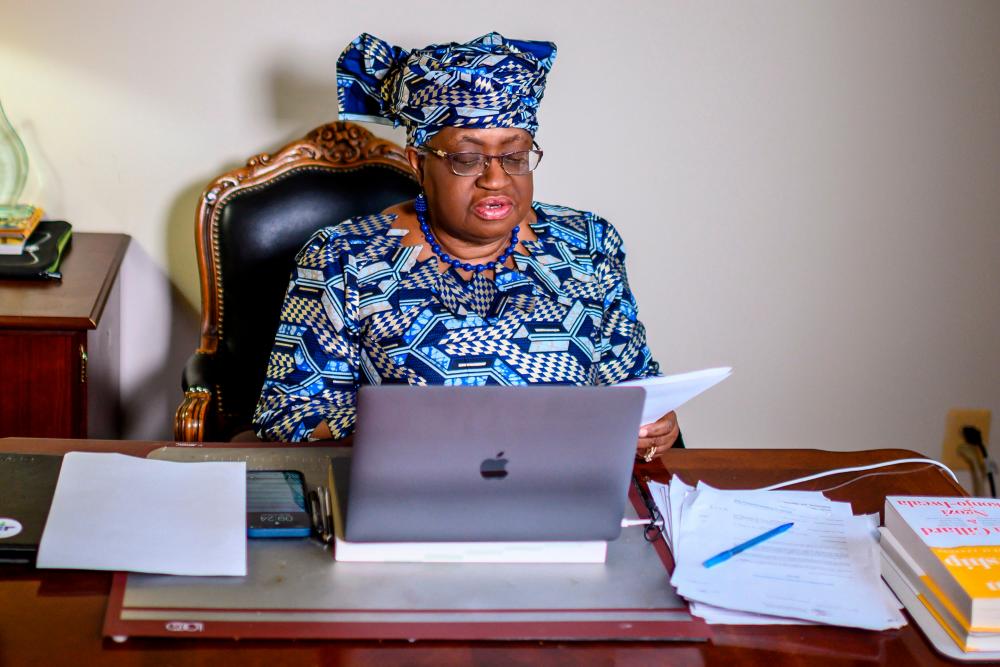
(465,464)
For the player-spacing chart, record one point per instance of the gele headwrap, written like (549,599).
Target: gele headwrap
(488,82)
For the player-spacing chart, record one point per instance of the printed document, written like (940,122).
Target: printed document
(117,512)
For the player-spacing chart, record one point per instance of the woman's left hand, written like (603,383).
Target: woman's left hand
(657,437)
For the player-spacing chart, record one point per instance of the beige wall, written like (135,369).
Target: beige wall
(810,191)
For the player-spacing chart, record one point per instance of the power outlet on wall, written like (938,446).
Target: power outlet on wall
(957,419)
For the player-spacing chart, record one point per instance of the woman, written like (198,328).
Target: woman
(469,284)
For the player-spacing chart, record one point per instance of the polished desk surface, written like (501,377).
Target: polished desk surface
(55,617)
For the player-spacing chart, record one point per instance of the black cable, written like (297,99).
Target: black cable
(654,529)
(974,437)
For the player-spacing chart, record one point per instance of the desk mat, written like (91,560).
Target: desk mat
(295,589)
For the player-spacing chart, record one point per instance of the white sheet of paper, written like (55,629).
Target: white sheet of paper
(668,499)
(721,616)
(669,392)
(117,512)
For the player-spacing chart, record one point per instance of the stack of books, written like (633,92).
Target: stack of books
(947,550)
(17,223)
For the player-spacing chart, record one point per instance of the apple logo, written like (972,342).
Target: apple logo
(494,468)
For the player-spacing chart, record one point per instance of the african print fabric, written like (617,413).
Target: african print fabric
(360,309)
(488,82)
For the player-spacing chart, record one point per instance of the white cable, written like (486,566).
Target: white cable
(628,523)
(873,466)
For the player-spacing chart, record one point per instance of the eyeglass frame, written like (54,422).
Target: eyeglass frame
(489,158)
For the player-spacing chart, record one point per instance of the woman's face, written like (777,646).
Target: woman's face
(476,209)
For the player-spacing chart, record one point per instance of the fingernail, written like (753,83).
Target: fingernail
(643,432)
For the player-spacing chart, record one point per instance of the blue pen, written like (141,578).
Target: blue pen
(740,548)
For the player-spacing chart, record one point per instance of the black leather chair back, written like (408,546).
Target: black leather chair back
(260,232)
(250,230)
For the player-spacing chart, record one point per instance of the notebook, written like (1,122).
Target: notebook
(490,464)
(27,482)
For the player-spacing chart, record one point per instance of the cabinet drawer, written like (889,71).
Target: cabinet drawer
(43,384)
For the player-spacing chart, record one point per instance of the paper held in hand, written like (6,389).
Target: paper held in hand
(669,392)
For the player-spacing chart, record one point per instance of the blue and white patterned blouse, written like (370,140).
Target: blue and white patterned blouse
(360,309)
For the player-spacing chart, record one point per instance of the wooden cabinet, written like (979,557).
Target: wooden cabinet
(60,346)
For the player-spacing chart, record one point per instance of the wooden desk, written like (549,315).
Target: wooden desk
(55,617)
(59,345)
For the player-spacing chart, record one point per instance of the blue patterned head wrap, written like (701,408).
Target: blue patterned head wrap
(488,82)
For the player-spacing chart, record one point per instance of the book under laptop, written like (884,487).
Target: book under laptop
(482,474)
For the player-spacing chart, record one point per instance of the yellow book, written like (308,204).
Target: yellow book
(16,226)
(931,598)
(956,542)
(18,222)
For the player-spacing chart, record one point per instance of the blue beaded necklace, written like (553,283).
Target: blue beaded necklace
(420,204)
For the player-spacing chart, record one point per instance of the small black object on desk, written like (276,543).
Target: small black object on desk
(42,254)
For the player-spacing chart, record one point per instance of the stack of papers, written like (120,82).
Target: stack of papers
(824,569)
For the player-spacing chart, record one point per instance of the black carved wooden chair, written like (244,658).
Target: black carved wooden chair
(250,224)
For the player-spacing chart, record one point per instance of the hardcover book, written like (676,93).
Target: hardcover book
(956,542)
(17,223)
(930,599)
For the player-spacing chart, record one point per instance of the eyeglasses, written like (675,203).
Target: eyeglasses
(516,163)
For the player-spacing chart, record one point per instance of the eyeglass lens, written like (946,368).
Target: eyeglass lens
(475,164)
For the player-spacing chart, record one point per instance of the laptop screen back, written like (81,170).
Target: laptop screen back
(437,464)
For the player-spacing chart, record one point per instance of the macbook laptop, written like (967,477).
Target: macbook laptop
(467,464)
(27,482)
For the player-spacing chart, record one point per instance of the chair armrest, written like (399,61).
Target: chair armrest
(195,413)
(199,372)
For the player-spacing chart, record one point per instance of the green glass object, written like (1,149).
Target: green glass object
(13,165)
